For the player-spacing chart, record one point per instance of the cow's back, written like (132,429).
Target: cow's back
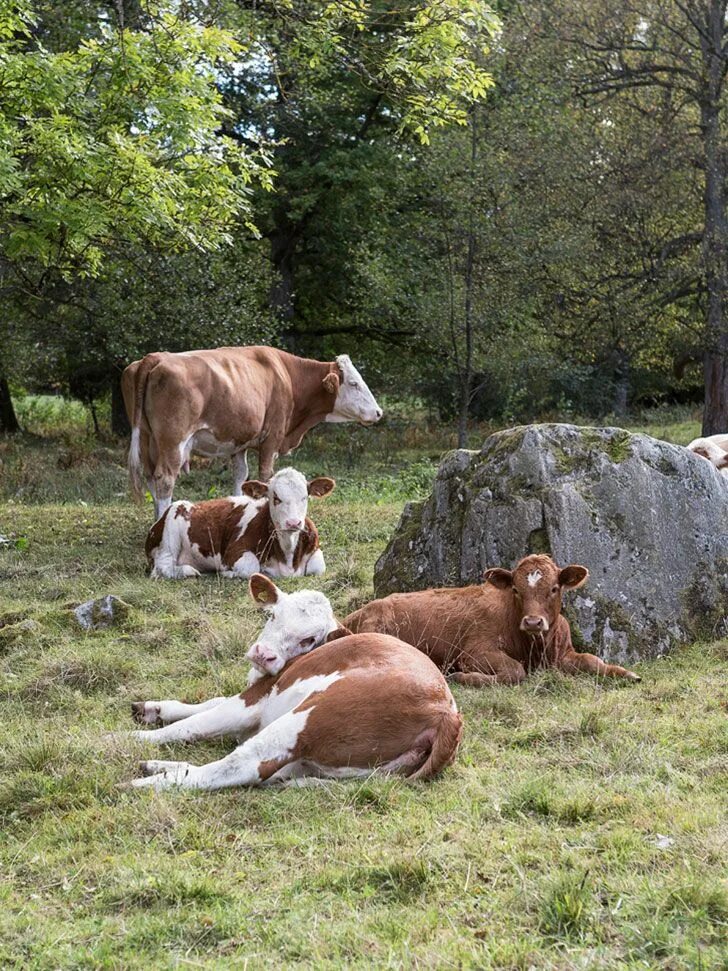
(436,621)
(232,391)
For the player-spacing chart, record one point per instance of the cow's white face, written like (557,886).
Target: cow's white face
(297,622)
(354,400)
(288,493)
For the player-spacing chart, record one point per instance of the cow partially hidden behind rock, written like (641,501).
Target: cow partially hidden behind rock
(714,448)
(494,633)
(364,703)
(264,530)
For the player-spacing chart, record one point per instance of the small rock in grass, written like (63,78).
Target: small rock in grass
(107,611)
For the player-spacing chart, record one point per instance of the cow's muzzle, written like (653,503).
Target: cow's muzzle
(264,659)
(534,625)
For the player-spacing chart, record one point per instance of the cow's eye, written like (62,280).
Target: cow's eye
(555,589)
(515,592)
(307,642)
(276,501)
(354,385)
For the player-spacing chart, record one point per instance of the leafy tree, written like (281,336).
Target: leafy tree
(113,141)
(672,56)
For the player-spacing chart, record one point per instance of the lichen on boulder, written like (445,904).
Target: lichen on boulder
(649,520)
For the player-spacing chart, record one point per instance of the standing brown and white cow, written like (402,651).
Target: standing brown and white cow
(493,633)
(361,704)
(220,403)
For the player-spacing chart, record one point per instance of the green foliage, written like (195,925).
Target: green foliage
(116,140)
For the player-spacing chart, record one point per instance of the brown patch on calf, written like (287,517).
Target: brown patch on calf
(213,524)
(154,536)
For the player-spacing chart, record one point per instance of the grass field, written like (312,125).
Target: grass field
(583,825)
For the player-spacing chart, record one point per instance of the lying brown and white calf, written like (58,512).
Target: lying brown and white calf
(494,633)
(714,448)
(361,703)
(265,529)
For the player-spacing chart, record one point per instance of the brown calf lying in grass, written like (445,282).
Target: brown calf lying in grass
(494,633)
(362,703)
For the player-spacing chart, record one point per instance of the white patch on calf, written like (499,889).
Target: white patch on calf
(354,401)
(277,704)
(244,567)
(533,578)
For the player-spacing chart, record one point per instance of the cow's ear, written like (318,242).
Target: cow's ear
(498,577)
(331,383)
(320,487)
(255,489)
(263,591)
(573,576)
(336,634)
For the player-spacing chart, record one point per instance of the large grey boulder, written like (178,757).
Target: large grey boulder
(649,520)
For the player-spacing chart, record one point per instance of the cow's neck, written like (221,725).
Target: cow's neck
(311,401)
(287,543)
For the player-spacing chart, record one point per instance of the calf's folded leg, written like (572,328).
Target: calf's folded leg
(480,667)
(591,664)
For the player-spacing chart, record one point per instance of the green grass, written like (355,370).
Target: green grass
(542,847)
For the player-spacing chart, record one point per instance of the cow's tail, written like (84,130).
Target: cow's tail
(135,465)
(444,746)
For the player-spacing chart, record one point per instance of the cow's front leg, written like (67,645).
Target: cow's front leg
(231,717)
(480,667)
(240,471)
(164,477)
(244,567)
(165,712)
(591,664)
(267,455)
(316,566)
(249,765)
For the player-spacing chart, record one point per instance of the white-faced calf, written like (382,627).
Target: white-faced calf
(266,529)
(359,704)
(492,633)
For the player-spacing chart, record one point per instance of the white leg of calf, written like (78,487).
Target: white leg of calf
(316,565)
(167,568)
(274,743)
(231,717)
(245,567)
(240,472)
(154,712)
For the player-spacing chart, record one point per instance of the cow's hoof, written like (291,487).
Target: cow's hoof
(145,714)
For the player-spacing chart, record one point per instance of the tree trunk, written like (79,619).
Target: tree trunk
(715,238)
(282,296)
(8,418)
(466,377)
(620,398)
(119,420)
